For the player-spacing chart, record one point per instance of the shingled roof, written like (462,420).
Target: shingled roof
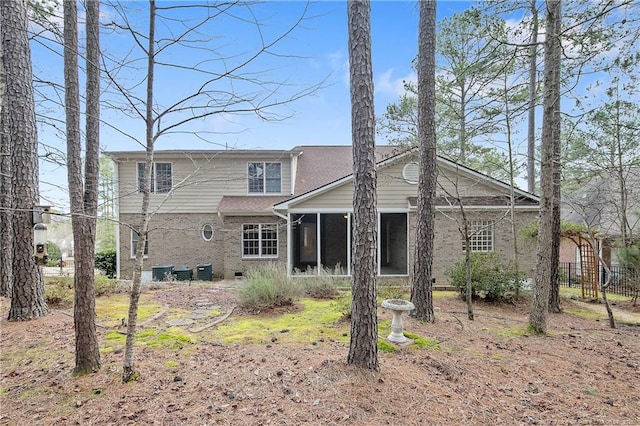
(317,166)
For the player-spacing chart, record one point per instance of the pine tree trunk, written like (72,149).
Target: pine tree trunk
(531,120)
(27,300)
(363,349)
(6,188)
(548,231)
(421,290)
(83,197)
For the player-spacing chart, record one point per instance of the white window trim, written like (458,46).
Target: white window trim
(488,224)
(405,173)
(259,255)
(264,178)
(153,177)
(202,231)
(132,251)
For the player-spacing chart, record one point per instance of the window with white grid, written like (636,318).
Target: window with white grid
(481,236)
(264,178)
(161,177)
(260,240)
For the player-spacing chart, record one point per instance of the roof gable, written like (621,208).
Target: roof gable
(385,156)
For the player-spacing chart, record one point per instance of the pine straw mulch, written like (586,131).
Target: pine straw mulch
(485,372)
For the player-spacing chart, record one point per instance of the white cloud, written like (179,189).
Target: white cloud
(387,85)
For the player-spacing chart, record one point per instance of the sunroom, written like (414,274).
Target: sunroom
(320,243)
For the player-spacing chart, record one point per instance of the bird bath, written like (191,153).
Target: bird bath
(397,307)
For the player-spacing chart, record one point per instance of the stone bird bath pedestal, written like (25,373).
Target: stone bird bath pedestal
(397,307)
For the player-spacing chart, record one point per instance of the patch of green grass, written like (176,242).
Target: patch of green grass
(590,392)
(422,342)
(584,313)
(171,363)
(386,347)
(317,320)
(443,294)
(110,310)
(384,329)
(576,293)
(43,353)
(173,338)
(513,332)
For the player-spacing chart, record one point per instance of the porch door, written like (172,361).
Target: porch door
(393,246)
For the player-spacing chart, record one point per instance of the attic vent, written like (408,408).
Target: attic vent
(410,173)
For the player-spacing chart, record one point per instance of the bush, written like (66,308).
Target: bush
(321,286)
(268,286)
(58,292)
(106,262)
(492,278)
(105,286)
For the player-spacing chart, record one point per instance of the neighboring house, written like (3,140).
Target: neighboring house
(598,204)
(237,209)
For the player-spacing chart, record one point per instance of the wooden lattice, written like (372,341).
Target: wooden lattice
(588,270)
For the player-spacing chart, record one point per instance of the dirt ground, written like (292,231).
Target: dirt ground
(485,372)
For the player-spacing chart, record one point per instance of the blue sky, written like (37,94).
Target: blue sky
(320,50)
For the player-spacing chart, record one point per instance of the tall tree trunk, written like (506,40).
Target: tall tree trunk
(421,290)
(363,348)
(6,188)
(531,120)
(128,370)
(546,228)
(83,197)
(554,293)
(27,300)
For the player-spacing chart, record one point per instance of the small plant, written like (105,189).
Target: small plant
(324,285)
(106,262)
(342,304)
(393,291)
(58,292)
(105,286)
(492,278)
(268,286)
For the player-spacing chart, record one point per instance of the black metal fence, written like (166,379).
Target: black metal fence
(624,281)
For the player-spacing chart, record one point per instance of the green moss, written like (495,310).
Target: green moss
(386,347)
(317,320)
(171,363)
(421,342)
(576,293)
(590,392)
(584,313)
(111,310)
(513,332)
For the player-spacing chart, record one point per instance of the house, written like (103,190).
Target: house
(607,207)
(237,209)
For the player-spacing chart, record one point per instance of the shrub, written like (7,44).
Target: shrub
(106,262)
(105,286)
(321,286)
(492,278)
(58,292)
(268,286)
(393,291)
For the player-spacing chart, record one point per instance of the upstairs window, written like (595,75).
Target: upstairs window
(481,236)
(265,178)
(161,177)
(260,240)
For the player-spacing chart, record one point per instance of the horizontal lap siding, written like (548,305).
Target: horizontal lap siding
(393,190)
(205,183)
